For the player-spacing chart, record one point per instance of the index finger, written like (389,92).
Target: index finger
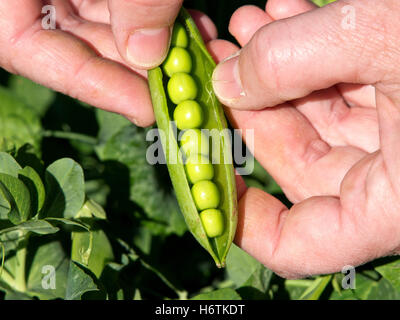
(58,60)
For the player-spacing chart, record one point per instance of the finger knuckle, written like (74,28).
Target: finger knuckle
(268,59)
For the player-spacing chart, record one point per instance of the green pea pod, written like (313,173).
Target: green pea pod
(203,66)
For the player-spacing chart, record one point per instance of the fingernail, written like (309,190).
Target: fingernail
(148,47)
(226,79)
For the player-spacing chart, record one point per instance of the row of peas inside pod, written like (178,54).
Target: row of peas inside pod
(189,117)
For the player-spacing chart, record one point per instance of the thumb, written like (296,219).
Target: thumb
(142,29)
(290,58)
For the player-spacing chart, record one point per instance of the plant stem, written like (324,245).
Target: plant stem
(299,283)
(20,272)
(70,136)
(7,278)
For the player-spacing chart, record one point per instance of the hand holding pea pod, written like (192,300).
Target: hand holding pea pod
(333,151)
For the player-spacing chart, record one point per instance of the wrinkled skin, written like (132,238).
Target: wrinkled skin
(86,56)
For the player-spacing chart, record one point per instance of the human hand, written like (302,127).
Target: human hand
(83,58)
(331,146)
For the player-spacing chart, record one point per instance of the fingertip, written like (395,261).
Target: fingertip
(130,97)
(142,29)
(141,113)
(141,122)
(278,9)
(221,49)
(245,21)
(258,223)
(226,81)
(206,26)
(240,185)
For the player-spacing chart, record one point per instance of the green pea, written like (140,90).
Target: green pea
(181,86)
(178,60)
(205,195)
(199,167)
(213,222)
(194,141)
(188,115)
(179,36)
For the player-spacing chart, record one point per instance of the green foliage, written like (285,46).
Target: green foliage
(35,186)
(322,2)
(26,255)
(37,97)
(391,271)
(126,150)
(15,192)
(78,282)
(92,248)
(250,277)
(65,188)
(316,288)
(221,294)
(18,123)
(49,252)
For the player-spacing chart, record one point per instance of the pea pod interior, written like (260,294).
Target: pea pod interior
(214,119)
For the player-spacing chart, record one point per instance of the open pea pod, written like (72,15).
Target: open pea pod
(214,120)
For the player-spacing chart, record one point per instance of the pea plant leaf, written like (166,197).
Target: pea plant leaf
(9,165)
(92,249)
(109,124)
(37,97)
(36,226)
(244,270)
(240,265)
(220,294)
(363,288)
(91,209)
(321,3)
(53,275)
(67,222)
(78,282)
(65,187)
(47,275)
(26,157)
(128,147)
(15,295)
(383,290)
(317,287)
(391,272)
(9,241)
(17,195)
(18,123)
(35,186)
(295,288)
(5,203)
(260,279)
